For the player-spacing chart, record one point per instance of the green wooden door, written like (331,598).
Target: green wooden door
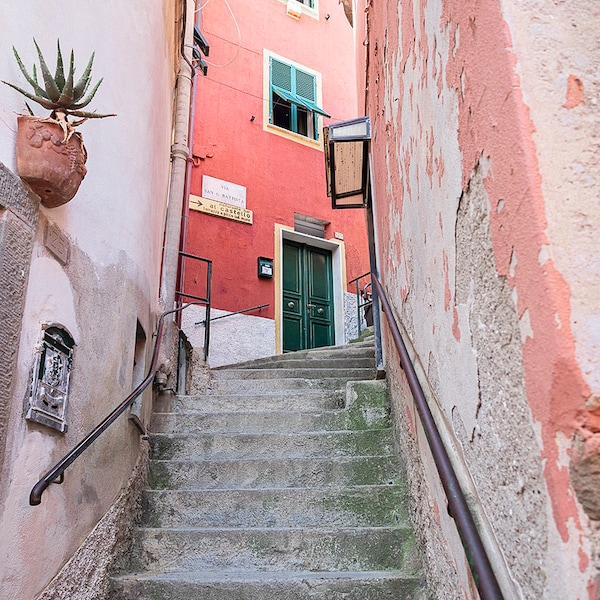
(307,297)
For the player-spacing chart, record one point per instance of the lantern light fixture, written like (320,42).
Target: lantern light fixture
(347,162)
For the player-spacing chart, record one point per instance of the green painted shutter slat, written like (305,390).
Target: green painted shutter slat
(281,75)
(305,85)
(303,102)
(286,95)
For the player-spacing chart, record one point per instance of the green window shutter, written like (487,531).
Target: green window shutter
(305,85)
(296,87)
(281,75)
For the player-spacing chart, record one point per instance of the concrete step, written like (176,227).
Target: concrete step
(271,472)
(278,384)
(356,506)
(269,585)
(376,442)
(250,422)
(278,549)
(364,349)
(326,362)
(259,400)
(281,421)
(306,372)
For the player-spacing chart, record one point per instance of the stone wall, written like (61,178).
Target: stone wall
(86,575)
(18,223)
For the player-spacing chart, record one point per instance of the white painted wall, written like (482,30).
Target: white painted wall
(115,228)
(131,150)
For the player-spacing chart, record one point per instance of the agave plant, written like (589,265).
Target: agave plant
(60,92)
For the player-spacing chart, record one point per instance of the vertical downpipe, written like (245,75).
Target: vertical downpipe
(179,159)
(185,215)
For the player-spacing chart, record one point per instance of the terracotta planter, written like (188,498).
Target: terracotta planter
(53,169)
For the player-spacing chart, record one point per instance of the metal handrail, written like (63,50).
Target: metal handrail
(360,304)
(57,471)
(200,300)
(237,312)
(478,560)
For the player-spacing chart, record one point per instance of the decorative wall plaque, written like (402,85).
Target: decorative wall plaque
(57,243)
(50,386)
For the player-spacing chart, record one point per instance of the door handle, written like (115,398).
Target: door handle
(320,311)
(290,305)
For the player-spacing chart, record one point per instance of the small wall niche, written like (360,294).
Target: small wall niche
(136,411)
(51,374)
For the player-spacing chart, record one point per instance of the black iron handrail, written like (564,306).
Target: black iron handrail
(57,471)
(365,302)
(478,560)
(237,312)
(201,300)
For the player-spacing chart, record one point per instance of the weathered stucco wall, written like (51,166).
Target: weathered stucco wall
(105,282)
(486,184)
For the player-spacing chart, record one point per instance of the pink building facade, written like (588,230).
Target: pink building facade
(276,75)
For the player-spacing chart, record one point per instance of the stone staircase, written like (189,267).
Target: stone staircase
(279,483)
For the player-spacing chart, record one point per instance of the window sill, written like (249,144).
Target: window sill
(307,10)
(295,137)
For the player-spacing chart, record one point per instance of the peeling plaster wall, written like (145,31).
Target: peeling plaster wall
(113,229)
(486,184)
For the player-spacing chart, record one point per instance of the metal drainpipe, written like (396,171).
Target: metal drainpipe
(185,215)
(179,160)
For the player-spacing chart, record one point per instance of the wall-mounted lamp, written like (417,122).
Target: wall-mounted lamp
(200,41)
(347,162)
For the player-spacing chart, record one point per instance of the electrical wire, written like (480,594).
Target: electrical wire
(201,7)
(239,35)
(263,99)
(239,46)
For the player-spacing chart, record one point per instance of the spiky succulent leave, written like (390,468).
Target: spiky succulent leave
(84,81)
(60,93)
(66,96)
(32,80)
(89,97)
(59,76)
(43,101)
(52,91)
(90,115)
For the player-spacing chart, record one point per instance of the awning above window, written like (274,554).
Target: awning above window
(299,101)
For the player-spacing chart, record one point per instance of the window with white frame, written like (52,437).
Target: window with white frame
(293,99)
(308,7)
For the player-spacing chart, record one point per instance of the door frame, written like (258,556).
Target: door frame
(338,276)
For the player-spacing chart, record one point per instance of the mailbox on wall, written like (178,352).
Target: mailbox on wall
(265,267)
(50,386)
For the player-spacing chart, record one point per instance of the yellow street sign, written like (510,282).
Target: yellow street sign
(220,209)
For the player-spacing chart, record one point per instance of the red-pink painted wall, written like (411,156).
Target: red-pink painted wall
(281,176)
